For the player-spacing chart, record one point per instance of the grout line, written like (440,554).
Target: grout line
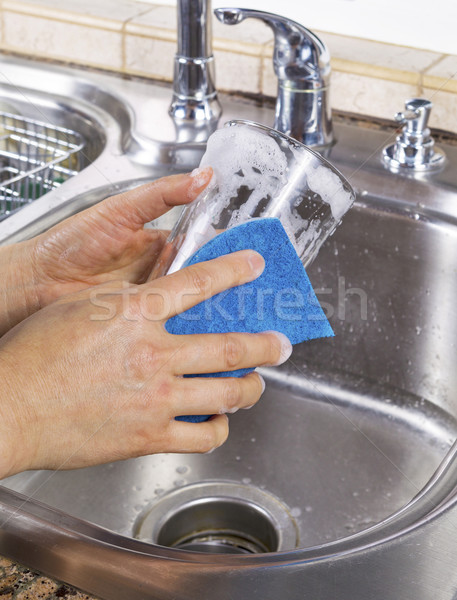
(2,25)
(423,73)
(69,21)
(434,64)
(123,32)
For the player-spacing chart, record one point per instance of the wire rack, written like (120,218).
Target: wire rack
(35,158)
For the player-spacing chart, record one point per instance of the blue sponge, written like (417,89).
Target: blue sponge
(281,299)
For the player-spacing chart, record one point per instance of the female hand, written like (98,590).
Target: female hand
(95,376)
(102,243)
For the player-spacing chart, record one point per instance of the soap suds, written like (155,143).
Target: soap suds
(255,161)
(259,175)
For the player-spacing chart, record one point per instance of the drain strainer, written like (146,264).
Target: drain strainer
(219,517)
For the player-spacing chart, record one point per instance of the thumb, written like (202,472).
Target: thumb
(147,202)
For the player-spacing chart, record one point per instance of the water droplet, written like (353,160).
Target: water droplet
(418,330)
(309,509)
(182,469)
(295,512)
(179,482)
(237,457)
(253,440)
(246,480)
(159,491)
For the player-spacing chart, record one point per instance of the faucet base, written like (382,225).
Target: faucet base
(195,108)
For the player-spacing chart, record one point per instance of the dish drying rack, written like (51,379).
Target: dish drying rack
(35,158)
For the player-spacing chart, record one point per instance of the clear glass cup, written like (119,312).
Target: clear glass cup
(259,172)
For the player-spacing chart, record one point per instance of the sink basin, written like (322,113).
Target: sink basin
(341,482)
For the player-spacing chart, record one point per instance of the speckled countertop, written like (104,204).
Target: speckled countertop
(20,583)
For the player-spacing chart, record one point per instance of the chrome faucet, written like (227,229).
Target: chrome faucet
(302,65)
(301,62)
(195,108)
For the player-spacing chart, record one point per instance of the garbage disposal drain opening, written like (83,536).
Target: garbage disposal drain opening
(219,517)
(219,525)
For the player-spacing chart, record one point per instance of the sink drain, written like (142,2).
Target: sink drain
(219,517)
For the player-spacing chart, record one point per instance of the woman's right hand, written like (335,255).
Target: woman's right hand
(95,377)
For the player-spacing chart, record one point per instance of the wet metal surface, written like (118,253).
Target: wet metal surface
(353,435)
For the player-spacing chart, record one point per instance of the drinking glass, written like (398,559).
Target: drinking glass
(259,172)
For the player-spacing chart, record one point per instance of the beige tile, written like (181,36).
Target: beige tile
(444,112)
(269,82)
(374,59)
(237,72)
(248,37)
(369,96)
(63,41)
(106,14)
(158,22)
(355,93)
(149,57)
(379,55)
(443,75)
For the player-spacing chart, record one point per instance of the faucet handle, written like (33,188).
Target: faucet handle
(299,54)
(302,64)
(416,116)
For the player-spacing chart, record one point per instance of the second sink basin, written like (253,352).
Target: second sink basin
(351,428)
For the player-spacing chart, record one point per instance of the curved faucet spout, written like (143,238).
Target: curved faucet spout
(302,64)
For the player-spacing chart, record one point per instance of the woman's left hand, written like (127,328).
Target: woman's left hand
(105,242)
(108,241)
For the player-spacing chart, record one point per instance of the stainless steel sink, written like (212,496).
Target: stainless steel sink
(342,482)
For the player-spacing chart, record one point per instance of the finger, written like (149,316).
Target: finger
(179,291)
(220,395)
(136,207)
(198,437)
(216,352)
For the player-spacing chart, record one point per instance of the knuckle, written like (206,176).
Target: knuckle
(233,394)
(233,351)
(271,349)
(239,269)
(144,360)
(208,441)
(200,280)
(214,436)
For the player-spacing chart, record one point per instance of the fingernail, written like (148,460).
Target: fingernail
(230,411)
(210,451)
(256,262)
(285,347)
(200,178)
(262,381)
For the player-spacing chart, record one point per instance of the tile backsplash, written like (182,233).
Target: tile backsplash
(422,24)
(139,38)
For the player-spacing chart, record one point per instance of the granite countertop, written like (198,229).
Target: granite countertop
(20,583)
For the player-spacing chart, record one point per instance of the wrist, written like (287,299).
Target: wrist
(12,428)
(18,294)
